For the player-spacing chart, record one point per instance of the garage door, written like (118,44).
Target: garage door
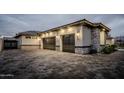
(49,43)
(69,43)
(10,44)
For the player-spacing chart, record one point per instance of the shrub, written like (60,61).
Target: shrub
(109,49)
(113,47)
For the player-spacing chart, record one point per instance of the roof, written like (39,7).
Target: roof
(27,33)
(83,21)
(9,38)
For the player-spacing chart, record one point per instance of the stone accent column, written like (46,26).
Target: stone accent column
(95,36)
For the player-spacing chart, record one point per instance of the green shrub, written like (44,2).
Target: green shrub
(109,49)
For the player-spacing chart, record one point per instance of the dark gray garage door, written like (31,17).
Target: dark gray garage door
(8,44)
(49,43)
(69,43)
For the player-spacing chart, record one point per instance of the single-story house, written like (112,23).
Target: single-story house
(77,37)
(110,40)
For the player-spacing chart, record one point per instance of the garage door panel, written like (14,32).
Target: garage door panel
(49,43)
(69,43)
(10,44)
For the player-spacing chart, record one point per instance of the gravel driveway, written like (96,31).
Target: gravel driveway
(48,64)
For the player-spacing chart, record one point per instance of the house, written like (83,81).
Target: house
(28,40)
(119,41)
(110,40)
(77,37)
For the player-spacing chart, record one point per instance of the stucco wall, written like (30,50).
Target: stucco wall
(30,47)
(86,36)
(25,41)
(82,38)
(28,44)
(102,37)
(110,41)
(77,30)
(1,44)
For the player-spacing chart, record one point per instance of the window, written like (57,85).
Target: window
(28,37)
(34,37)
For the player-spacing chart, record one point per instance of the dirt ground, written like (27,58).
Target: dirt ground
(46,64)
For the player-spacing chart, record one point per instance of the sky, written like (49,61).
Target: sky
(11,24)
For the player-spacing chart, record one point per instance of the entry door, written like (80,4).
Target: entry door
(69,43)
(49,43)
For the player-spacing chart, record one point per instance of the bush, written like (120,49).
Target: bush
(109,49)
(113,47)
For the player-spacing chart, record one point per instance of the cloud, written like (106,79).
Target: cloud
(10,24)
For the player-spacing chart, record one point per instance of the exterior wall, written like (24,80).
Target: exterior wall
(95,37)
(85,41)
(86,36)
(29,44)
(1,44)
(82,38)
(110,41)
(29,47)
(77,30)
(102,37)
(25,41)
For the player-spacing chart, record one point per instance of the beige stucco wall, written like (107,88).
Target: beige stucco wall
(86,36)
(29,44)
(30,47)
(25,41)
(1,44)
(76,30)
(110,41)
(102,37)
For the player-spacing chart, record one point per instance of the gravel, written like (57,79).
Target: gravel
(46,64)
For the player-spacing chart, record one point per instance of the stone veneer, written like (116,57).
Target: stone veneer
(82,50)
(95,37)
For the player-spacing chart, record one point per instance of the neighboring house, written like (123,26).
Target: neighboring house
(28,40)
(77,37)
(119,41)
(110,40)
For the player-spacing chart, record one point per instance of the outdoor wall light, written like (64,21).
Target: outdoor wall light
(50,33)
(103,29)
(46,34)
(69,28)
(43,35)
(62,31)
(38,38)
(78,35)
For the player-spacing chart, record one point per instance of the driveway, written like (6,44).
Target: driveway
(48,64)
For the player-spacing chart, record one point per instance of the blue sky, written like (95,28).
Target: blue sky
(10,24)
